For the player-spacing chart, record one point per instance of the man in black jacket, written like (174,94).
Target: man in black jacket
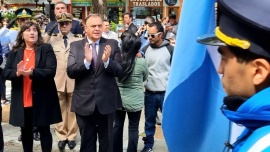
(128,21)
(61,7)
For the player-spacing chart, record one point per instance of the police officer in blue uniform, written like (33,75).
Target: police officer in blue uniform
(243,36)
(22,15)
(1,90)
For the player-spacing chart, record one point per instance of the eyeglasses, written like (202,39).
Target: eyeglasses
(63,23)
(153,35)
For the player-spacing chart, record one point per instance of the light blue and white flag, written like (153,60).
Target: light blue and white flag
(192,120)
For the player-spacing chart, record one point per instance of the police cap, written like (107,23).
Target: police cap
(64,17)
(23,13)
(241,23)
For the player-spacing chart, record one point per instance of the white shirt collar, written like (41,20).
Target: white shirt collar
(89,41)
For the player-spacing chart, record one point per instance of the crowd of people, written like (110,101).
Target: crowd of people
(84,79)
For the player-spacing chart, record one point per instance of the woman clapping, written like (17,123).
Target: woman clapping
(31,67)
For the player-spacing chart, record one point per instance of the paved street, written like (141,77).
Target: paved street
(13,145)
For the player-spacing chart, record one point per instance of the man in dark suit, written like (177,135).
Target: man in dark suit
(96,95)
(61,7)
(128,24)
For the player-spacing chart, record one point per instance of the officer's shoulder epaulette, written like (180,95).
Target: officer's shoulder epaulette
(78,35)
(54,34)
(15,28)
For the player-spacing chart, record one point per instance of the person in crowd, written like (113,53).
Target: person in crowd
(244,47)
(107,33)
(128,24)
(94,62)
(31,67)
(22,15)
(1,129)
(82,24)
(135,72)
(61,7)
(158,55)
(165,21)
(41,20)
(67,130)
(4,44)
(143,32)
(3,57)
(171,27)
(1,91)
(5,21)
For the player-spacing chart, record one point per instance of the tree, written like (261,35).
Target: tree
(100,7)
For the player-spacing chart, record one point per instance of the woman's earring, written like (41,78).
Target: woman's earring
(22,38)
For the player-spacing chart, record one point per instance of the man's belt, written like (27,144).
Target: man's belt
(154,92)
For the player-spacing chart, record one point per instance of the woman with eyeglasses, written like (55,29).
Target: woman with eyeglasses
(31,67)
(135,72)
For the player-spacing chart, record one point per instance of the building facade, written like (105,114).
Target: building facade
(115,8)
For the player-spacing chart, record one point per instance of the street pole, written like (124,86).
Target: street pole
(49,1)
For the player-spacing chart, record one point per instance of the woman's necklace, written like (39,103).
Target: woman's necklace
(27,58)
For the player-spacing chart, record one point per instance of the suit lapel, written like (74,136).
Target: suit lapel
(100,52)
(20,54)
(38,52)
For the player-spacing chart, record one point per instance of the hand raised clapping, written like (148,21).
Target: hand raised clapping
(107,53)
(21,69)
(88,53)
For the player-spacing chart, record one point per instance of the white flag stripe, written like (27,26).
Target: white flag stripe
(236,131)
(215,56)
(261,144)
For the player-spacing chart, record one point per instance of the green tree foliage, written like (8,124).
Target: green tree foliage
(9,15)
(113,26)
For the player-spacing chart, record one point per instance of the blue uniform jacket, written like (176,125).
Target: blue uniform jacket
(254,114)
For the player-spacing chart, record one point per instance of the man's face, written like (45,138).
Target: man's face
(237,80)
(60,8)
(4,23)
(171,21)
(106,26)
(153,35)
(127,19)
(65,27)
(21,21)
(93,28)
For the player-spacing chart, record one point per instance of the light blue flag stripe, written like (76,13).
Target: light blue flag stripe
(192,121)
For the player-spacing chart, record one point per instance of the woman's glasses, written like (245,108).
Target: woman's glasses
(153,35)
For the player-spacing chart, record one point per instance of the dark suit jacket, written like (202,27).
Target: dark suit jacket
(132,28)
(46,108)
(75,29)
(95,88)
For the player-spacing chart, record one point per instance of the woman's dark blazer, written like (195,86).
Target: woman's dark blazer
(46,108)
